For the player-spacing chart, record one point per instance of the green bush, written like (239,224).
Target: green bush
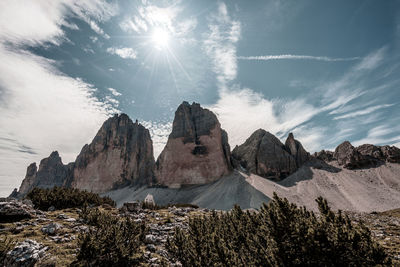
(281,234)
(110,241)
(63,198)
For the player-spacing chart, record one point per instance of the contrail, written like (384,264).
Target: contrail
(276,57)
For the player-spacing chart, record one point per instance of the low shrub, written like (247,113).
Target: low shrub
(63,198)
(110,240)
(281,234)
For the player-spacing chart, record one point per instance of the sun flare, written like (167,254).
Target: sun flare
(160,38)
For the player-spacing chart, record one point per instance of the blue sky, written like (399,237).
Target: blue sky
(326,70)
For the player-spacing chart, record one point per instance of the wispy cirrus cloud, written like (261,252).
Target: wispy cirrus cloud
(365,111)
(296,57)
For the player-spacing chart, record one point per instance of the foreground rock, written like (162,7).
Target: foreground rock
(13,210)
(265,155)
(25,254)
(197,151)
(120,154)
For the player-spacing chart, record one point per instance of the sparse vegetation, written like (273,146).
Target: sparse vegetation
(62,198)
(110,240)
(6,244)
(281,234)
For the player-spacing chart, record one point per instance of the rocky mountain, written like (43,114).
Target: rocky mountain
(363,156)
(52,172)
(120,154)
(263,154)
(197,150)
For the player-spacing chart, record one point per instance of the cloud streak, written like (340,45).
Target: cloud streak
(296,57)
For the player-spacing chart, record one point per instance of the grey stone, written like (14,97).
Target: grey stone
(51,228)
(14,210)
(25,254)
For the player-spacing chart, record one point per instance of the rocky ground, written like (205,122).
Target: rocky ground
(50,238)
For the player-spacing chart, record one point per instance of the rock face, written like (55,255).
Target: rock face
(52,172)
(197,151)
(265,155)
(324,155)
(120,154)
(296,150)
(363,156)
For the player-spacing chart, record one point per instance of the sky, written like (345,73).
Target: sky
(328,71)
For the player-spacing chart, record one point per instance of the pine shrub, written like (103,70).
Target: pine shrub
(63,198)
(280,234)
(110,240)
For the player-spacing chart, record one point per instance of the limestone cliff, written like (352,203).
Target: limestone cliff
(52,172)
(120,154)
(197,150)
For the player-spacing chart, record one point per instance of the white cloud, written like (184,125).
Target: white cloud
(304,57)
(42,109)
(380,135)
(124,52)
(96,28)
(159,132)
(220,45)
(114,92)
(246,107)
(35,22)
(158,15)
(362,112)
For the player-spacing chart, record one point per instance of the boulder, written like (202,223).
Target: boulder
(51,228)
(263,154)
(120,154)
(197,150)
(13,210)
(25,254)
(149,200)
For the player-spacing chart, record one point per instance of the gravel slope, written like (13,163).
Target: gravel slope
(365,190)
(220,195)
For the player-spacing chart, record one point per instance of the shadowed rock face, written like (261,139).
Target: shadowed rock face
(120,154)
(265,155)
(52,172)
(296,150)
(197,150)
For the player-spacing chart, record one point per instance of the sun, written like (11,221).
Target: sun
(160,38)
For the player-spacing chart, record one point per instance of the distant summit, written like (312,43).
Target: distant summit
(263,154)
